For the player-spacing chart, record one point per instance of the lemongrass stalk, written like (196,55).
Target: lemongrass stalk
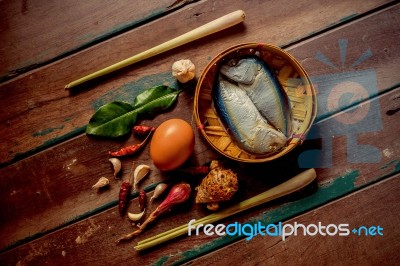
(298,182)
(241,206)
(178,230)
(219,24)
(285,188)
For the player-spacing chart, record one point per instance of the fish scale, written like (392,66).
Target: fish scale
(244,122)
(253,75)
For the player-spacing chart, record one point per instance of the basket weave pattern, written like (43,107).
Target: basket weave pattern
(291,76)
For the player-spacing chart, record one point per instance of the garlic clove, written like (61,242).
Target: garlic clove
(116,163)
(136,216)
(102,182)
(160,188)
(183,70)
(140,172)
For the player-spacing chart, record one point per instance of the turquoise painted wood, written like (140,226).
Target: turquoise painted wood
(25,99)
(50,214)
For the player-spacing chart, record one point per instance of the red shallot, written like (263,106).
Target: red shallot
(178,194)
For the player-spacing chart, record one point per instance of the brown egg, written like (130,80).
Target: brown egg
(172,144)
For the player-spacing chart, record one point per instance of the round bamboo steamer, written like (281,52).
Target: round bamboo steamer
(294,80)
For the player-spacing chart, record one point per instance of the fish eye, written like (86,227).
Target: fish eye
(233,62)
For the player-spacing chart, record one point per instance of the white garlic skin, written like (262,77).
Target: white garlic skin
(116,163)
(136,216)
(103,181)
(183,70)
(160,188)
(140,172)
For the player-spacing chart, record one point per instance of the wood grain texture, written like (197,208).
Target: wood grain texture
(373,206)
(39,96)
(341,178)
(49,214)
(63,176)
(102,229)
(84,159)
(35,32)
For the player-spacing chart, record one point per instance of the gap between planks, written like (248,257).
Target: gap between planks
(25,70)
(331,204)
(340,25)
(80,131)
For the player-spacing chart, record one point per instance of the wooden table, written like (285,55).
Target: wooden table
(49,213)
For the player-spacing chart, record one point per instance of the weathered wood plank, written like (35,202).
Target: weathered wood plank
(77,164)
(36,32)
(63,176)
(376,205)
(102,229)
(39,96)
(340,179)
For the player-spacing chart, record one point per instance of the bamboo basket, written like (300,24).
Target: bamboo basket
(291,76)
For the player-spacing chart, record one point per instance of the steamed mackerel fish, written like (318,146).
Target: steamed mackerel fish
(252,75)
(245,122)
(249,102)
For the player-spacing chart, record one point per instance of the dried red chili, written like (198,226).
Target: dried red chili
(142,200)
(142,130)
(124,192)
(195,170)
(128,150)
(178,194)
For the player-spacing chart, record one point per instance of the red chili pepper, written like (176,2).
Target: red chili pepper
(142,130)
(130,149)
(124,192)
(195,170)
(178,194)
(142,200)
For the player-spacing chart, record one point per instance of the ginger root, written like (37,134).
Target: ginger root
(219,185)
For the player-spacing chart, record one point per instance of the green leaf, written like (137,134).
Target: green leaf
(117,118)
(151,94)
(112,120)
(158,105)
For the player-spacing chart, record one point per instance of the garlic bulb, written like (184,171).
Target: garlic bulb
(183,70)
